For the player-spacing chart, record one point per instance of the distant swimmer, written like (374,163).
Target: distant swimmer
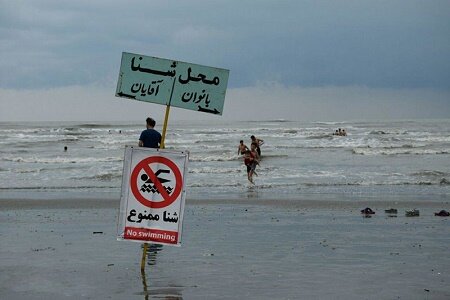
(340,132)
(65,148)
(242,147)
(259,143)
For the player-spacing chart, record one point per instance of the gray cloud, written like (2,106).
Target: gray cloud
(385,44)
(288,59)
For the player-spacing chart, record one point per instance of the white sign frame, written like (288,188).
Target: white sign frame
(152,205)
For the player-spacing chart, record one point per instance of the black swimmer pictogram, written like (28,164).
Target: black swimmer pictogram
(142,187)
(149,185)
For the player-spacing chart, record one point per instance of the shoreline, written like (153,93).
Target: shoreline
(100,203)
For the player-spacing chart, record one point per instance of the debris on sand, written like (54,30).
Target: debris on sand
(442,213)
(367,211)
(412,213)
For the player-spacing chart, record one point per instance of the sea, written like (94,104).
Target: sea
(396,159)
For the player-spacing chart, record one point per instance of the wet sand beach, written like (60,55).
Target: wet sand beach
(239,249)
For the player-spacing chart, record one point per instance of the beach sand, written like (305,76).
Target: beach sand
(240,249)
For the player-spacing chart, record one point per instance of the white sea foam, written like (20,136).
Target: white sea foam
(212,170)
(399,151)
(61,160)
(223,157)
(432,173)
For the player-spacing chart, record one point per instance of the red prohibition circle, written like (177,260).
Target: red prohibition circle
(144,165)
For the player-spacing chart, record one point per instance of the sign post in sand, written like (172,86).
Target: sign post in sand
(171,83)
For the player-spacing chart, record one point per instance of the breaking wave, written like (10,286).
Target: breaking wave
(63,160)
(431,173)
(297,156)
(402,183)
(44,188)
(377,132)
(102,176)
(327,136)
(398,151)
(214,158)
(211,170)
(218,185)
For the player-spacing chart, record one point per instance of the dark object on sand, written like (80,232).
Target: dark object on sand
(367,211)
(391,211)
(444,181)
(442,213)
(412,213)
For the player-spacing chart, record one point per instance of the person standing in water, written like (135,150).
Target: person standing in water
(150,138)
(259,143)
(242,147)
(250,162)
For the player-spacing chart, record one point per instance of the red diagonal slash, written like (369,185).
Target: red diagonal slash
(156,182)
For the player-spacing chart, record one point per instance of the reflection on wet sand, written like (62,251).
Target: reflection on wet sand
(160,292)
(152,252)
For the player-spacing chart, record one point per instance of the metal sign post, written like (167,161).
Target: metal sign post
(161,146)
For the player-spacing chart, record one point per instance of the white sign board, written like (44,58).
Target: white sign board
(153,195)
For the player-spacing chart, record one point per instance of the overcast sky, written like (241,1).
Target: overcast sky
(299,60)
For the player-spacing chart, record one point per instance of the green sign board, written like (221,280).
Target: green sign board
(173,83)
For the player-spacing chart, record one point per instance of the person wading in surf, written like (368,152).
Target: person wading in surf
(150,138)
